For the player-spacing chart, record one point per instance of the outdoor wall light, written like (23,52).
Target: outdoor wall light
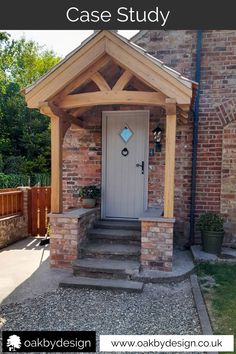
(157,135)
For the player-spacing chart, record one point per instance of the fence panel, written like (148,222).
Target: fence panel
(11,202)
(39,206)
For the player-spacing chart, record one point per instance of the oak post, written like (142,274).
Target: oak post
(170,158)
(56,158)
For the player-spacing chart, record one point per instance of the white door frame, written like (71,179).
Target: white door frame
(104,158)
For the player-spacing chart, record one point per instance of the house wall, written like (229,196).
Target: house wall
(82,150)
(217,109)
(82,147)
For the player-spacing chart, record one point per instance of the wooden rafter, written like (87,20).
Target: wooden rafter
(100,82)
(50,109)
(77,112)
(112,97)
(122,81)
(66,73)
(81,79)
(183,116)
(151,74)
(70,73)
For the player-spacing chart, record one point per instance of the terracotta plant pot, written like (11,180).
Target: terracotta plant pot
(88,203)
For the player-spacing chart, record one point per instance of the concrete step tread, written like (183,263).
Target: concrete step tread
(107,248)
(118,224)
(100,283)
(106,265)
(115,233)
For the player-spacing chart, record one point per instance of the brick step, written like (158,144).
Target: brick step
(115,235)
(118,224)
(116,284)
(103,268)
(110,251)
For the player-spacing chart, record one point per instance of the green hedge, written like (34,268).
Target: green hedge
(17,180)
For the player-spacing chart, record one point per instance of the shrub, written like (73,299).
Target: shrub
(210,222)
(17,180)
(90,192)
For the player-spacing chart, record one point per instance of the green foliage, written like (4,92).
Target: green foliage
(41,179)
(24,134)
(13,181)
(210,222)
(18,180)
(90,192)
(221,299)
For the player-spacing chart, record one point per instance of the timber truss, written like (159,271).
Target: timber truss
(109,70)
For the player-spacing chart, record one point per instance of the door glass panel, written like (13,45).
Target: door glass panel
(126,134)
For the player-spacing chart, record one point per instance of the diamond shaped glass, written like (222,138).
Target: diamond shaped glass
(126,134)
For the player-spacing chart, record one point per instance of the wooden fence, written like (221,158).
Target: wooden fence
(39,205)
(11,202)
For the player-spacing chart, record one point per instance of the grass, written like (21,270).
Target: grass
(218,282)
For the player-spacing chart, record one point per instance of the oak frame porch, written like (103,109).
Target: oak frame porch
(56,96)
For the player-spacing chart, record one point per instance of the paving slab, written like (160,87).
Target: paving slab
(113,249)
(228,255)
(183,266)
(108,265)
(25,271)
(99,283)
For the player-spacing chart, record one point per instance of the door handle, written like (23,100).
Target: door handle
(141,165)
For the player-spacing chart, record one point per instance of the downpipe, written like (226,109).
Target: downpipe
(195,112)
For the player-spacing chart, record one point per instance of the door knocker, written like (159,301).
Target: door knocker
(125,152)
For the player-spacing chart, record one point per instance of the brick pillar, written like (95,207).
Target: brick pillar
(25,206)
(157,244)
(68,231)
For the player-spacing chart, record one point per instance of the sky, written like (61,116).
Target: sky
(61,42)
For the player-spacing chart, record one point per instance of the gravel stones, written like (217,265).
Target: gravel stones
(160,309)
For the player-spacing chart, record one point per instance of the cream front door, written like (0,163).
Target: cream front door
(125,164)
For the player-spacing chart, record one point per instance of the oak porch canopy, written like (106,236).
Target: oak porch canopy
(108,69)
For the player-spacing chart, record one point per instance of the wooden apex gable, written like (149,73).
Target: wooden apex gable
(84,64)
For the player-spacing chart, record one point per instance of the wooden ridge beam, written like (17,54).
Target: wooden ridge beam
(112,97)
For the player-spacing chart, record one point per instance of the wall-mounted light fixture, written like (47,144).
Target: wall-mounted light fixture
(157,135)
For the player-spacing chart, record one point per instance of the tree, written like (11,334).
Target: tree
(24,133)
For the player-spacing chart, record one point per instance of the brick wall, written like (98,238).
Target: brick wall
(15,228)
(157,244)
(82,147)
(82,152)
(228,187)
(217,108)
(68,231)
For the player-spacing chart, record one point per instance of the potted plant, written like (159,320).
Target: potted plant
(212,229)
(89,195)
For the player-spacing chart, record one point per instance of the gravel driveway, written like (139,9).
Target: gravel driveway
(160,309)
